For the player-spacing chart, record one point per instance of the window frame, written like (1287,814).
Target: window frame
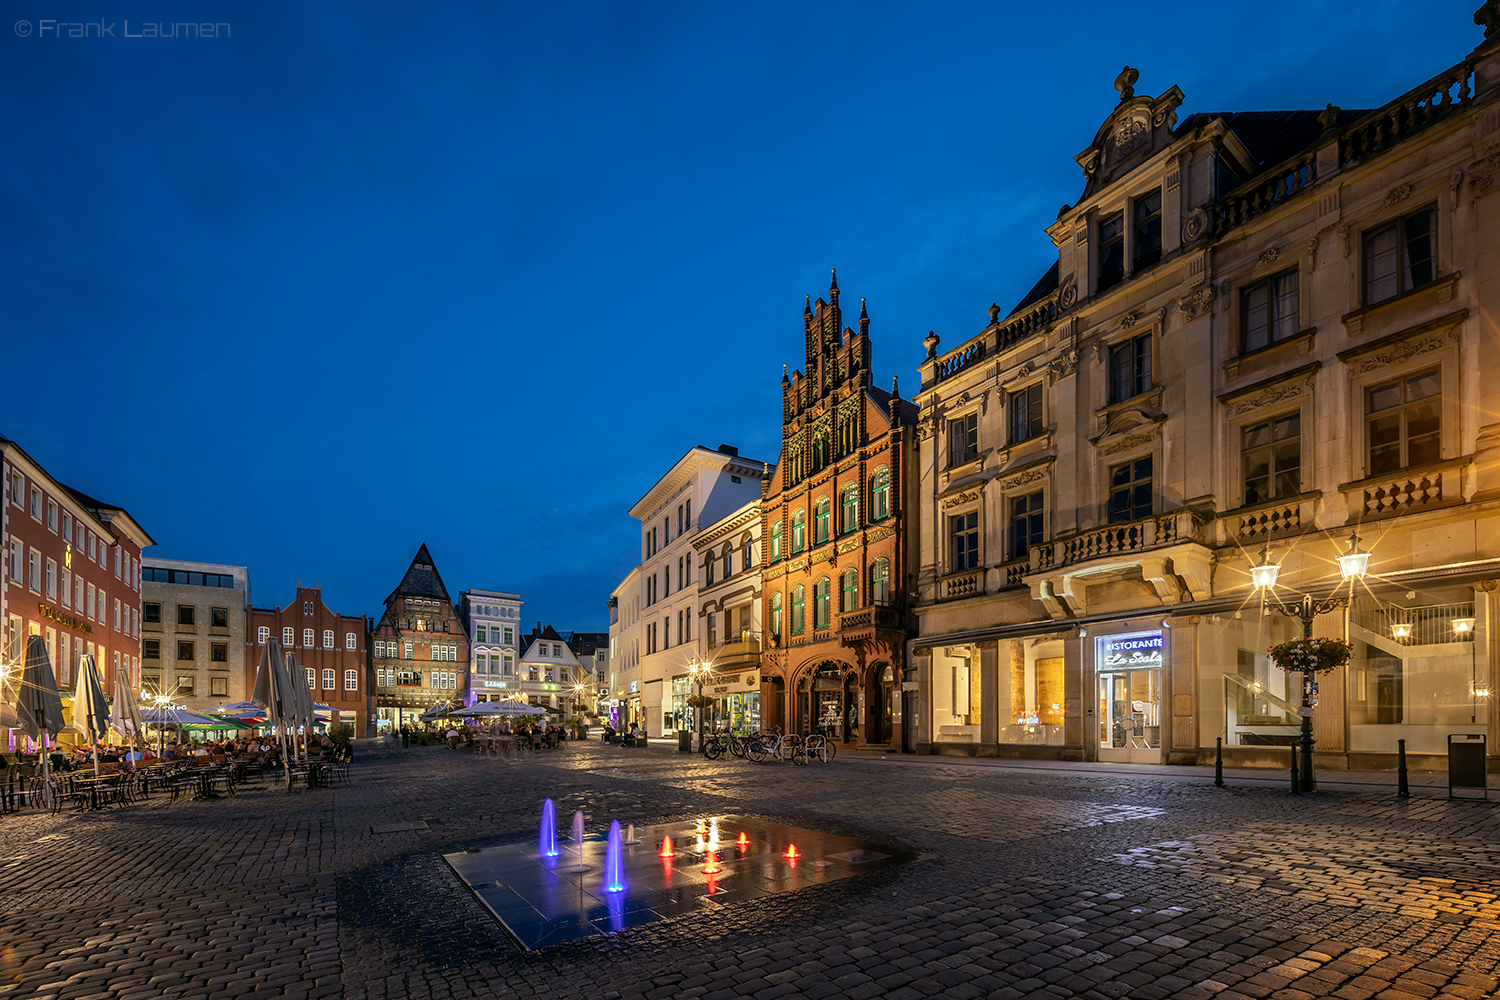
(1402,265)
(963,428)
(880,493)
(1402,378)
(1269,417)
(880,581)
(1035,512)
(799,531)
(1132,485)
(822,604)
(849,509)
(1139,263)
(1242,317)
(1035,422)
(799,609)
(965,523)
(1137,388)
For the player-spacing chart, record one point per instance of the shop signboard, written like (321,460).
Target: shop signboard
(1132,651)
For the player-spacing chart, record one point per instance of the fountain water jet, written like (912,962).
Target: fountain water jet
(548,839)
(578,843)
(666,848)
(630,837)
(614,865)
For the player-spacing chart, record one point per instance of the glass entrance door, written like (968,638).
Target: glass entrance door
(1130,715)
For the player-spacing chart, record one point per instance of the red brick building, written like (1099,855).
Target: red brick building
(72,571)
(835,545)
(332,650)
(420,649)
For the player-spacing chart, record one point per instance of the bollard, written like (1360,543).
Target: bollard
(1218,762)
(1296,783)
(1402,791)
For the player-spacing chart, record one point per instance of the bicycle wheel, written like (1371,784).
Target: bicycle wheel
(799,754)
(736,746)
(833,748)
(713,749)
(755,751)
(825,753)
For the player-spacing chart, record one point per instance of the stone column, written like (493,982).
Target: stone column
(988,664)
(1079,723)
(925,725)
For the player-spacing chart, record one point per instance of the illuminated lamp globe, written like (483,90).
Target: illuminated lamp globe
(1401,630)
(1463,626)
(1354,563)
(1263,574)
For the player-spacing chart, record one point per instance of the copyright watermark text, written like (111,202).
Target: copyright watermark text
(121,29)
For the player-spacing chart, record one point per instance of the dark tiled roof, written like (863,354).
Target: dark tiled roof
(1045,286)
(421,579)
(1270,136)
(91,503)
(908,408)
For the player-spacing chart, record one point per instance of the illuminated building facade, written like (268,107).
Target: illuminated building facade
(1262,331)
(331,650)
(420,650)
(71,574)
(193,644)
(492,621)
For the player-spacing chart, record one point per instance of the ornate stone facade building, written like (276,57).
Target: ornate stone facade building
(419,647)
(1263,331)
(836,550)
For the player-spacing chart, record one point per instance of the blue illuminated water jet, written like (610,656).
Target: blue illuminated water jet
(548,838)
(614,865)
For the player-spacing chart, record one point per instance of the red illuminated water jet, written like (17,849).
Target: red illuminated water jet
(666,848)
(791,853)
(744,842)
(712,867)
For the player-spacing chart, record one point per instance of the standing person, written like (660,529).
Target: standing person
(405,738)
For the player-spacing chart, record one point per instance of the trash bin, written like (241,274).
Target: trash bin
(1466,763)
(684,741)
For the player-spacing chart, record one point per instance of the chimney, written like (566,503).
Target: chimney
(729,449)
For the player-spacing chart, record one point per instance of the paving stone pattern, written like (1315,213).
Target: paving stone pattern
(1034,884)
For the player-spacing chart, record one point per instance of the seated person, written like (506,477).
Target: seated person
(59,761)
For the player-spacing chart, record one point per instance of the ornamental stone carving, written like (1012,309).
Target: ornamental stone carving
(1267,256)
(967,496)
(1195,226)
(1399,193)
(1343,232)
(1482,175)
(1404,351)
(1197,302)
(1068,297)
(1062,366)
(1128,320)
(1128,441)
(1021,479)
(1272,394)
(1454,180)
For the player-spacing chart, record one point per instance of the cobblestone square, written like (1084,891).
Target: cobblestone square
(1034,882)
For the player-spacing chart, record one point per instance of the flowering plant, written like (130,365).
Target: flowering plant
(1311,654)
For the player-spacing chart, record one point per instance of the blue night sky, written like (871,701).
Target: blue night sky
(362,276)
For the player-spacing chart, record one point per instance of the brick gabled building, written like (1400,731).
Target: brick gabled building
(331,649)
(420,649)
(835,544)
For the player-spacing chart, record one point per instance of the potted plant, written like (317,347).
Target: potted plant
(1313,655)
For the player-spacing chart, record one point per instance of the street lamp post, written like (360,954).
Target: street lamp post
(1352,566)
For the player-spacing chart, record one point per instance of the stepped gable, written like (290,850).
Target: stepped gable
(421,580)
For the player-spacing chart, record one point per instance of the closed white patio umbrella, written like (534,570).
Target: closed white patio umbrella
(90,706)
(38,705)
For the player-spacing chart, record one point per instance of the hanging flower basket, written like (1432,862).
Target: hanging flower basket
(1311,654)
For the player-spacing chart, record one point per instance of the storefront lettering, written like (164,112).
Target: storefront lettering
(63,618)
(1133,651)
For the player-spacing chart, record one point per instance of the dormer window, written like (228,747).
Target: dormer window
(1111,251)
(1147,235)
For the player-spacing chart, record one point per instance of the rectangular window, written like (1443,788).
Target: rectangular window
(118,626)
(963,439)
(263,634)
(510,637)
(350,643)
(1026,413)
(328,638)
(1400,256)
(185,650)
(1271,457)
(65,592)
(328,678)
(34,575)
(187,614)
(1025,524)
(963,539)
(186,684)
(36,503)
(218,617)
(151,649)
(92,603)
(351,680)
(51,579)
(406,651)
(1147,235)
(17,559)
(1111,250)
(52,516)
(1268,312)
(218,652)
(509,664)
(307,638)
(1404,419)
(17,488)
(151,611)
(288,636)
(1130,490)
(78,594)
(1130,368)
(218,687)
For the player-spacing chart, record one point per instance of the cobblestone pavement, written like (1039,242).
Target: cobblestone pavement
(1035,883)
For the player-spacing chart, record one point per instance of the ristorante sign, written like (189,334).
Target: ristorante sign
(1132,651)
(63,618)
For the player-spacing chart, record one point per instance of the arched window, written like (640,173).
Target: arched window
(820,603)
(747,555)
(849,516)
(850,599)
(880,494)
(799,601)
(728,562)
(799,531)
(776,542)
(776,613)
(880,581)
(820,521)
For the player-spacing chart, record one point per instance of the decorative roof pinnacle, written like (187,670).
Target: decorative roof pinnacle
(1125,82)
